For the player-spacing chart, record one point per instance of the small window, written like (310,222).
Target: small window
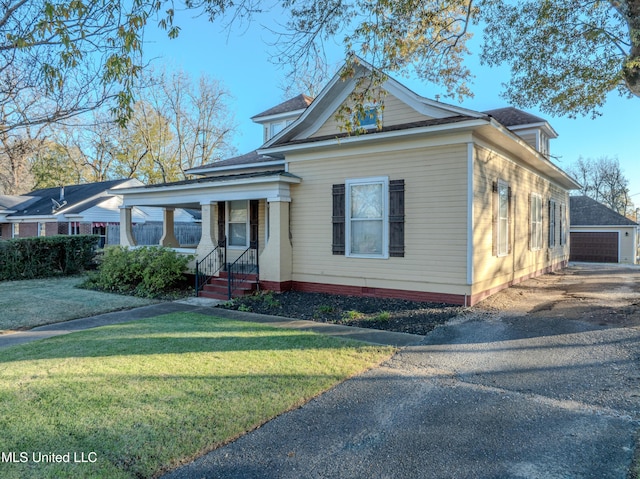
(369,118)
(367,218)
(536,222)
(15,230)
(238,224)
(552,223)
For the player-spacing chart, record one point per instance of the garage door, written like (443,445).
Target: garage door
(594,247)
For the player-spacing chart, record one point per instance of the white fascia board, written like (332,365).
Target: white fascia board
(317,103)
(278,116)
(381,136)
(246,166)
(33,219)
(542,163)
(425,105)
(219,191)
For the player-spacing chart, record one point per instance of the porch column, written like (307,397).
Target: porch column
(126,231)
(208,240)
(276,260)
(168,237)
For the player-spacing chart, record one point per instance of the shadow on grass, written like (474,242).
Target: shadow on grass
(175,333)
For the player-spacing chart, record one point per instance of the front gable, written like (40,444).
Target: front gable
(396,104)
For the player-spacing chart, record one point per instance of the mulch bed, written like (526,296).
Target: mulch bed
(365,312)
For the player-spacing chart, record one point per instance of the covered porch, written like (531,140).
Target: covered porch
(245,225)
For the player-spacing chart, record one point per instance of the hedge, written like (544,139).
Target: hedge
(44,257)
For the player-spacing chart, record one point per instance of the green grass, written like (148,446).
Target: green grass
(26,304)
(148,395)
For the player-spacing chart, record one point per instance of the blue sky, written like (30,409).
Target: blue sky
(240,60)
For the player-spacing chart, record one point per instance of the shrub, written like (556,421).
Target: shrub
(43,257)
(148,271)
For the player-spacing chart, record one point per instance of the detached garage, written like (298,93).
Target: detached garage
(600,235)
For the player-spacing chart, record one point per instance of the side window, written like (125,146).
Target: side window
(535,240)
(501,218)
(552,223)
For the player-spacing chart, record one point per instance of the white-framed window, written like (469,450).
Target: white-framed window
(536,222)
(238,224)
(552,223)
(503,218)
(367,217)
(42,229)
(15,230)
(370,117)
(277,126)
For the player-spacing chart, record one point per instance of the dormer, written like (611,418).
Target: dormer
(534,130)
(276,119)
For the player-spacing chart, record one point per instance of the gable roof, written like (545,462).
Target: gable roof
(71,198)
(586,211)
(299,102)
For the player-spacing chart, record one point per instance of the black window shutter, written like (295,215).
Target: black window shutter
(396,218)
(338,219)
(221,224)
(253,223)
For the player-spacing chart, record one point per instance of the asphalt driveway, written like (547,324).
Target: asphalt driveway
(545,384)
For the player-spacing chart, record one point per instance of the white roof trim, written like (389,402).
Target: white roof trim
(214,169)
(384,135)
(277,116)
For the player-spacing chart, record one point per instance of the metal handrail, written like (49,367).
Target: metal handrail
(209,266)
(242,267)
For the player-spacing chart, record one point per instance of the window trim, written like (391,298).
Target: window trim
(377,117)
(552,223)
(535,224)
(501,184)
(228,222)
(384,181)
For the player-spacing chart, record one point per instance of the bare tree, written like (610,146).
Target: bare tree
(603,180)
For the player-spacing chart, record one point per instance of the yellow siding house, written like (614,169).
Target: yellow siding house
(431,202)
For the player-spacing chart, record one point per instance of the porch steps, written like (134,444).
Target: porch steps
(217,288)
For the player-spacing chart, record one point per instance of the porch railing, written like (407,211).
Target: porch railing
(241,268)
(209,266)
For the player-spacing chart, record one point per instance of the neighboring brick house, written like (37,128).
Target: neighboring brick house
(73,209)
(432,202)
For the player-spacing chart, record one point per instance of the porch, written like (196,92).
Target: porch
(245,238)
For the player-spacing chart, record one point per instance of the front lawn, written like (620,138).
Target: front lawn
(26,304)
(136,399)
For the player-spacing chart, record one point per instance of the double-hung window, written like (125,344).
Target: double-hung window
(238,233)
(536,222)
(367,233)
(503,218)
